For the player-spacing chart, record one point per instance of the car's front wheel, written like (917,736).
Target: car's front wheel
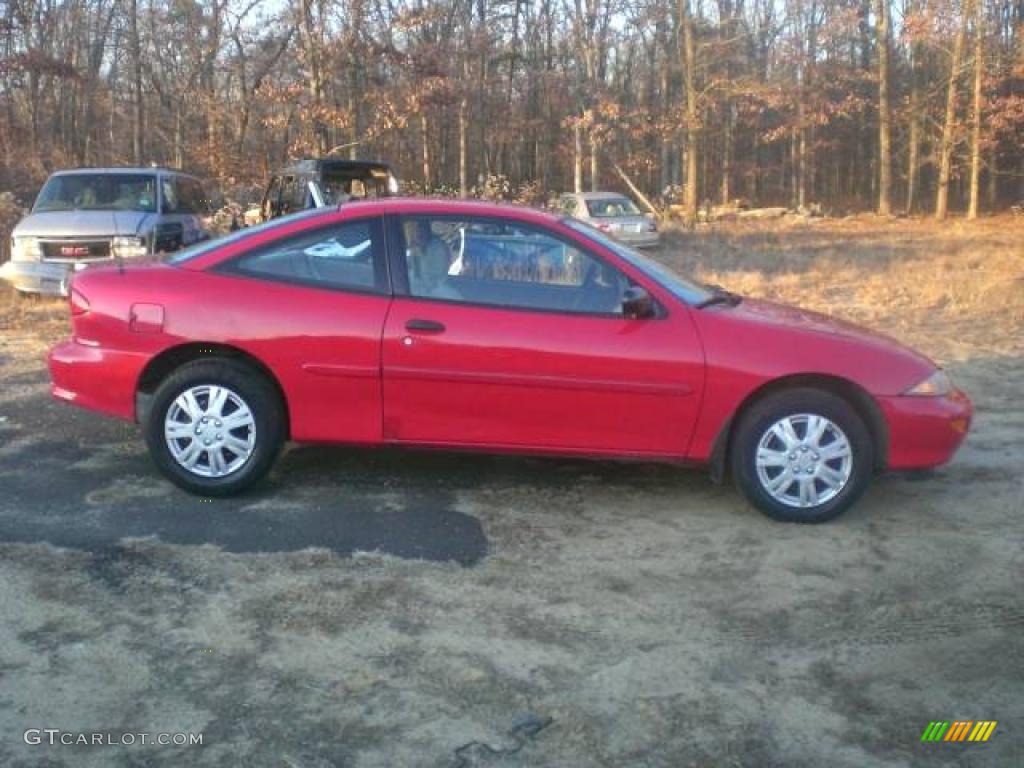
(802,455)
(215,427)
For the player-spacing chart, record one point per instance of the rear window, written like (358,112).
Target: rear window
(98,192)
(610,207)
(342,184)
(206,246)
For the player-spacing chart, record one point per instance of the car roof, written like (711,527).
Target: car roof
(600,195)
(314,165)
(122,170)
(449,207)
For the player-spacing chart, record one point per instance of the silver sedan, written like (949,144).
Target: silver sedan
(613,213)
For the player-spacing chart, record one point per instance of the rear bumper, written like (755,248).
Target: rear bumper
(639,239)
(43,277)
(925,431)
(95,378)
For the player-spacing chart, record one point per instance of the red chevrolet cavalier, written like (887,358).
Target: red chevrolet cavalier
(474,326)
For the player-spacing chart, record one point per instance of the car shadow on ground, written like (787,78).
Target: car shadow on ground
(86,483)
(78,480)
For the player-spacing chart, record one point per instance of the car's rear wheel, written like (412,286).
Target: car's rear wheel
(802,455)
(215,427)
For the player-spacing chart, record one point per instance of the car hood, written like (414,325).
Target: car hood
(769,313)
(80,223)
(766,340)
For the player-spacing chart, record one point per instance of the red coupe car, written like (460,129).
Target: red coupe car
(466,325)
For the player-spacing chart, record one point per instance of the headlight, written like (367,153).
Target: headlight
(937,385)
(26,249)
(128,247)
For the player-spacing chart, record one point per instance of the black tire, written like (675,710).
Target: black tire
(257,393)
(757,420)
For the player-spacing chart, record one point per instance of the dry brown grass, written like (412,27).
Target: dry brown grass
(940,286)
(28,327)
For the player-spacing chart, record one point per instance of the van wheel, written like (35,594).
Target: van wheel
(802,455)
(215,427)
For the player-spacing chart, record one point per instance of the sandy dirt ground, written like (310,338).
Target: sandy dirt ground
(391,608)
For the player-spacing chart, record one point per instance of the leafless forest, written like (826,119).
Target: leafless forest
(913,105)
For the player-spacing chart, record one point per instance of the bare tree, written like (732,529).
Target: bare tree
(689,62)
(949,124)
(884,111)
(979,76)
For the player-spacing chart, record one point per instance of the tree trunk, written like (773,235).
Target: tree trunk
(949,124)
(310,30)
(577,165)
(884,112)
(914,130)
(594,175)
(692,114)
(463,169)
(726,188)
(138,148)
(979,72)
(425,143)
(179,139)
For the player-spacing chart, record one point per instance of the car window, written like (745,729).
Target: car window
(610,207)
(293,195)
(689,291)
(98,192)
(170,195)
(347,255)
(506,264)
(190,196)
(271,206)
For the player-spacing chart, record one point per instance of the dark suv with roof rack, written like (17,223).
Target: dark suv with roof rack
(314,183)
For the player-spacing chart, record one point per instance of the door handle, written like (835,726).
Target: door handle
(424,326)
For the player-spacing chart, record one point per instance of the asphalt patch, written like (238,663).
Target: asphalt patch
(86,484)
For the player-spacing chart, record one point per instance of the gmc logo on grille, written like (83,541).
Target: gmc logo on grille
(74,250)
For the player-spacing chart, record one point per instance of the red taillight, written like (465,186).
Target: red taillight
(79,304)
(604,227)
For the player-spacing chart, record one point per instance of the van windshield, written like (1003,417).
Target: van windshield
(98,192)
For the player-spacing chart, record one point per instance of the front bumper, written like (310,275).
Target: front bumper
(95,378)
(44,277)
(925,431)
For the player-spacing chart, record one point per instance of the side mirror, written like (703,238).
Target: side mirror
(637,303)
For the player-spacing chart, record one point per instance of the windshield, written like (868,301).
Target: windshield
(233,237)
(679,286)
(98,192)
(610,207)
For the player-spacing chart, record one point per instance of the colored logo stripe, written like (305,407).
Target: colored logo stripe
(982,730)
(958,730)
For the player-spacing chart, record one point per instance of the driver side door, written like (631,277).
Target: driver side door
(525,347)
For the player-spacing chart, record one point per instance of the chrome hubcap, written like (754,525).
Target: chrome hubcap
(804,460)
(210,431)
